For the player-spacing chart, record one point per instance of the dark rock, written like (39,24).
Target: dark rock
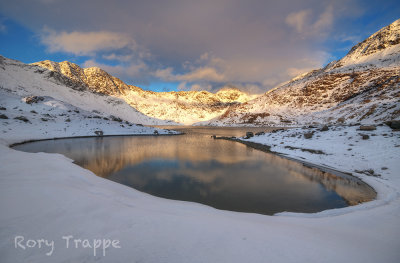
(76,111)
(325,128)
(393,124)
(156,132)
(367,128)
(99,133)
(113,118)
(34,112)
(368,172)
(260,133)
(2,108)
(277,130)
(22,118)
(68,120)
(4,117)
(249,135)
(341,120)
(44,119)
(365,137)
(308,135)
(33,99)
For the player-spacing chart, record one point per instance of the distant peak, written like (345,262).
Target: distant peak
(382,39)
(229,89)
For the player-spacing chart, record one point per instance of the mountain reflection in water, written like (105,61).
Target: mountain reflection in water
(223,174)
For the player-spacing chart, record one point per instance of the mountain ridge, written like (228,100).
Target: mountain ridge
(184,107)
(361,87)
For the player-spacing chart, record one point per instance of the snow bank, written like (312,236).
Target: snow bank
(45,196)
(52,118)
(374,160)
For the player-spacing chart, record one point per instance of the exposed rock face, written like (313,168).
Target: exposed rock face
(361,87)
(367,128)
(99,133)
(365,136)
(394,124)
(22,118)
(385,39)
(308,135)
(325,128)
(33,99)
(249,135)
(183,106)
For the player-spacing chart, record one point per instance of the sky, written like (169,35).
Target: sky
(174,45)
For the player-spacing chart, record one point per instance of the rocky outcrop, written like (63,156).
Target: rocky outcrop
(361,87)
(183,107)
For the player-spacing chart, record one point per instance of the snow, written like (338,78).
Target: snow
(343,143)
(362,87)
(184,107)
(46,196)
(29,80)
(52,118)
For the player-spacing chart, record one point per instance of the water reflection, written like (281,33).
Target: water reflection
(222,174)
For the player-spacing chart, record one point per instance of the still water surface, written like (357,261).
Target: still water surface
(222,174)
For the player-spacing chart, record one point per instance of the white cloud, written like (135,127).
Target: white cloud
(3,28)
(129,71)
(325,20)
(302,21)
(85,43)
(202,74)
(198,74)
(121,58)
(298,20)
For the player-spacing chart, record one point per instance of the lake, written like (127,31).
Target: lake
(222,174)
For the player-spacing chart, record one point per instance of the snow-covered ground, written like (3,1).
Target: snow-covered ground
(46,196)
(52,118)
(26,80)
(342,148)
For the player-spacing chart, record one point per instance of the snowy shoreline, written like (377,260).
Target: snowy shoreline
(91,136)
(266,149)
(293,140)
(47,196)
(144,224)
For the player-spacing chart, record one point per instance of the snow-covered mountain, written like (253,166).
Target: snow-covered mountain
(361,87)
(184,107)
(23,80)
(38,104)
